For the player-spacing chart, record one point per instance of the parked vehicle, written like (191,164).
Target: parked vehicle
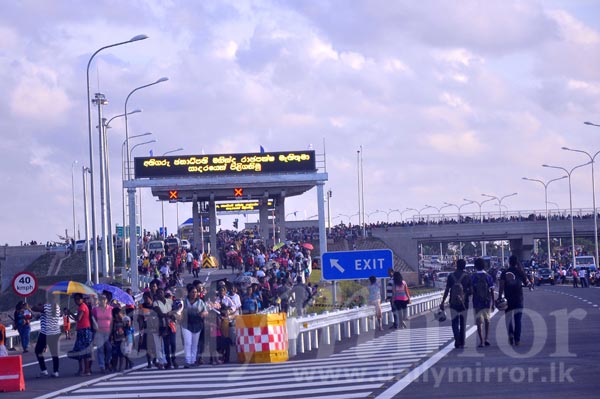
(80,246)
(185,244)
(586,262)
(155,247)
(172,244)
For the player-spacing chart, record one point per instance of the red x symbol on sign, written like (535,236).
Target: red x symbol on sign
(238,192)
(173,195)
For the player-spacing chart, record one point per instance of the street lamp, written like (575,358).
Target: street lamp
(373,213)
(162,203)
(123,173)
(109,242)
(411,209)
(592,160)
(480,204)
(131,195)
(140,204)
(73,192)
(493,197)
(90,137)
(547,214)
(591,124)
(458,207)
(88,259)
(424,208)
(555,204)
(569,172)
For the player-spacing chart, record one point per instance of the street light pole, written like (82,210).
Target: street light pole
(123,173)
(162,202)
(131,196)
(88,259)
(547,213)
(592,161)
(111,247)
(73,192)
(100,100)
(500,214)
(569,172)
(480,204)
(91,139)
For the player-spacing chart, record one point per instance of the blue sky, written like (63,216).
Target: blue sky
(448,99)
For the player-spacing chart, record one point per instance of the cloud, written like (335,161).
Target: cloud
(463,143)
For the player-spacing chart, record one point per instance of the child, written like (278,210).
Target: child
(67,323)
(117,336)
(127,344)
(3,351)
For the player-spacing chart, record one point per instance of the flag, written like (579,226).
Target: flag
(151,153)
(262,149)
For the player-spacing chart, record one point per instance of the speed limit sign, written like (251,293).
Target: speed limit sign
(24,284)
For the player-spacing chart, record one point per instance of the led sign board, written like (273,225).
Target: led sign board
(240,206)
(221,164)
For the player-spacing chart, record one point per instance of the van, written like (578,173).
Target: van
(155,247)
(585,262)
(172,244)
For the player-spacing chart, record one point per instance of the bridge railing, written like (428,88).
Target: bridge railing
(497,216)
(309,332)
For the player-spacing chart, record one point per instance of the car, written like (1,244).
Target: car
(544,275)
(185,244)
(80,246)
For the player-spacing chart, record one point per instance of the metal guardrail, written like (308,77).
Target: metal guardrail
(308,332)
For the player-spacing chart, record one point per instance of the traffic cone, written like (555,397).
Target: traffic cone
(11,374)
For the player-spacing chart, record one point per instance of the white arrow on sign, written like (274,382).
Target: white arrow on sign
(334,263)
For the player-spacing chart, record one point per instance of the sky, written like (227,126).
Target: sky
(448,99)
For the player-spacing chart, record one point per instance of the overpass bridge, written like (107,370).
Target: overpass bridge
(520,229)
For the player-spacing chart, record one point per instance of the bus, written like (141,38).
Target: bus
(585,262)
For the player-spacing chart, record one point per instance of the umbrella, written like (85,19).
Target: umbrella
(308,246)
(246,280)
(116,292)
(70,287)
(278,245)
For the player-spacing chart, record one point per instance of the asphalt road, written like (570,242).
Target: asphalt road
(557,357)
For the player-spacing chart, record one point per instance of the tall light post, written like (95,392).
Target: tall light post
(555,204)
(73,192)
(547,213)
(91,139)
(411,209)
(109,243)
(88,256)
(458,208)
(425,208)
(123,176)
(140,205)
(592,161)
(480,204)
(131,195)
(493,197)
(163,202)
(569,172)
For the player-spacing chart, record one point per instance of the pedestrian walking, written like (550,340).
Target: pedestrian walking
(49,334)
(511,286)
(102,321)
(83,343)
(22,318)
(375,300)
(458,286)
(401,297)
(3,351)
(194,312)
(483,300)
